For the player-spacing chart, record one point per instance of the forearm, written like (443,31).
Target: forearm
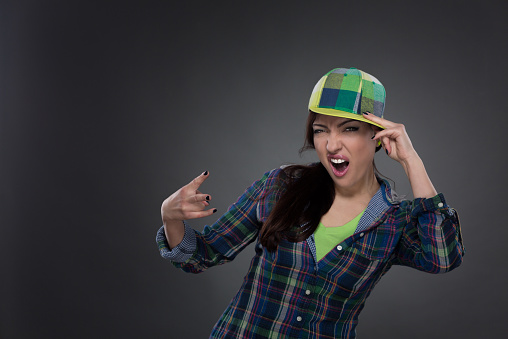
(174,231)
(418,178)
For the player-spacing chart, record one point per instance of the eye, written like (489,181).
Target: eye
(318,130)
(352,129)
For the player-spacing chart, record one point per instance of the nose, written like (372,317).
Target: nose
(333,143)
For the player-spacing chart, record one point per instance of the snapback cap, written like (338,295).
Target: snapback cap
(347,93)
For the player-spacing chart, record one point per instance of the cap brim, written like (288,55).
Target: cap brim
(343,114)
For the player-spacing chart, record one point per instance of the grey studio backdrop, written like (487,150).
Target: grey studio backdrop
(106,108)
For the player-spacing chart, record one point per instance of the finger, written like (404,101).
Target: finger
(386,133)
(201,214)
(380,121)
(386,145)
(199,198)
(197,181)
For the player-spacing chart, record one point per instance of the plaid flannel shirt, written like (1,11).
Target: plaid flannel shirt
(288,293)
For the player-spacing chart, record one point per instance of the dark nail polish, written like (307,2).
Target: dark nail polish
(386,152)
(207,197)
(373,137)
(366,113)
(205,173)
(214,210)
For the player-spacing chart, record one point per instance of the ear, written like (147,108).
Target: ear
(376,129)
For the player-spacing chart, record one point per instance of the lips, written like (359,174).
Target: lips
(339,164)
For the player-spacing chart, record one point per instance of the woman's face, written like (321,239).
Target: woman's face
(346,149)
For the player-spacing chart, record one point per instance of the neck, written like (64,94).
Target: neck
(366,187)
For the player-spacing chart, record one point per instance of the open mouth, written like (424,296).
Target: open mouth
(339,166)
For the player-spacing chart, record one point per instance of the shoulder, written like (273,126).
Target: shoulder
(295,171)
(273,177)
(283,174)
(271,181)
(397,208)
(389,195)
(276,181)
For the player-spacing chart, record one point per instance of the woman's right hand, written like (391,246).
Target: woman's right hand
(187,203)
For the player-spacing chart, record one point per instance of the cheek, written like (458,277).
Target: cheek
(365,149)
(320,149)
(319,143)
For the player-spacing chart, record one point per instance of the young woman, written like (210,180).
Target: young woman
(325,233)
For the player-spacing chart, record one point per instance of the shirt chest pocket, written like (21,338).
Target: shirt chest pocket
(351,273)
(377,244)
(355,269)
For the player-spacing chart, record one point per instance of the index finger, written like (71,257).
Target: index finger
(197,181)
(380,121)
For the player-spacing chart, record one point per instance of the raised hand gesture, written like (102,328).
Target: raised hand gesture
(394,139)
(398,146)
(186,203)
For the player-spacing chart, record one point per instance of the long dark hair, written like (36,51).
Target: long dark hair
(309,194)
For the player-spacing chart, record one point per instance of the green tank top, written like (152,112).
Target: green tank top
(327,238)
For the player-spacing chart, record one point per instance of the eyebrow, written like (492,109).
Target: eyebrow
(339,125)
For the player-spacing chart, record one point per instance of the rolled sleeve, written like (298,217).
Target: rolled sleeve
(436,204)
(432,240)
(183,251)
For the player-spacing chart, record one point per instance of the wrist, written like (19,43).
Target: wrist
(421,184)
(411,161)
(174,231)
(167,222)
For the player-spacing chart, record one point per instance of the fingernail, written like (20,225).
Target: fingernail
(205,173)
(214,210)
(373,136)
(207,197)
(386,152)
(366,113)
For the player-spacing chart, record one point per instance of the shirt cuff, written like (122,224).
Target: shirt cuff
(436,204)
(183,251)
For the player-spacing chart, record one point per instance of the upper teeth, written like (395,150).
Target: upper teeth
(337,161)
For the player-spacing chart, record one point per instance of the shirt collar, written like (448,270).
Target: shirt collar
(384,198)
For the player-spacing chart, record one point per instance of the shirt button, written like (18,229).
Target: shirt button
(298,318)
(361,234)
(339,248)
(440,205)
(307,292)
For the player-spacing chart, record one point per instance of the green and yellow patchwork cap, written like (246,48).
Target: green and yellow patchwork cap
(347,93)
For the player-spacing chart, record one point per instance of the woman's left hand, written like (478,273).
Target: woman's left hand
(394,139)
(398,146)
